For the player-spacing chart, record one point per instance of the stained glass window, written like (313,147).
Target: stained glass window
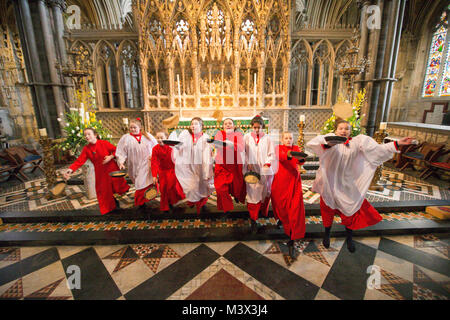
(445,83)
(437,76)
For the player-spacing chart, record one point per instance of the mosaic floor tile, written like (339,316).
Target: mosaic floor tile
(325,295)
(12,290)
(46,277)
(223,286)
(131,276)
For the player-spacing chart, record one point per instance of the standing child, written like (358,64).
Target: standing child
(287,194)
(101,153)
(163,172)
(136,149)
(259,157)
(344,176)
(228,176)
(193,164)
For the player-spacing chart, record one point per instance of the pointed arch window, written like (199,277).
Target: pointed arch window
(320,75)
(437,75)
(130,75)
(108,82)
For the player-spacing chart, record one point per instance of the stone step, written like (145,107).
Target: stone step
(204,231)
(80,215)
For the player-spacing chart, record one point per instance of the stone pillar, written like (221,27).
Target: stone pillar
(28,40)
(58,7)
(393,61)
(378,73)
(51,58)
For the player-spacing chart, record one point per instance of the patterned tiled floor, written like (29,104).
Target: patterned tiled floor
(32,195)
(402,268)
(179,223)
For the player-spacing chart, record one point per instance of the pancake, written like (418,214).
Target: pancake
(252,177)
(118,174)
(151,193)
(58,188)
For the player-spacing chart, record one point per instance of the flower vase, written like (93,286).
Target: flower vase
(89,179)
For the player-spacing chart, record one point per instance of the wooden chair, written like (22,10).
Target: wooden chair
(9,165)
(433,167)
(426,152)
(23,156)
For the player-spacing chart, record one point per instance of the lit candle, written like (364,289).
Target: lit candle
(302,118)
(125,121)
(43,132)
(383,125)
(254,91)
(82,112)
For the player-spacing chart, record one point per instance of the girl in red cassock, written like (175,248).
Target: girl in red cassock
(101,153)
(163,172)
(287,194)
(228,176)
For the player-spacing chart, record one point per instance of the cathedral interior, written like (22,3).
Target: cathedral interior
(294,62)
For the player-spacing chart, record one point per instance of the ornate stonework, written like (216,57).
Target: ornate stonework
(214,54)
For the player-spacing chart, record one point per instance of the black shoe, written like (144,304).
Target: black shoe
(326,238)
(291,249)
(350,244)
(254,227)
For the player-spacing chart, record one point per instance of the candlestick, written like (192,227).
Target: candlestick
(125,121)
(383,125)
(254,92)
(302,118)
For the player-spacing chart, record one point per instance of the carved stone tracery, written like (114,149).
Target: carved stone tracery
(209,54)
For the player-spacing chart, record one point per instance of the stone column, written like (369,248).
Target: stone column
(51,58)
(58,7)
(28,40)
(378,74)
(393,61)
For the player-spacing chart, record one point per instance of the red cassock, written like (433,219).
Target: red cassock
(228,176)
(164,168)
(287,194)
(105,185)
(366,216)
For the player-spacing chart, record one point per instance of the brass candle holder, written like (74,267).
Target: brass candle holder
(379,138)
(301,136)
(301,141)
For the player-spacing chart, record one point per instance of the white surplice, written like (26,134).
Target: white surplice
(346,171)
(137,156)
(258,155)
(193,165)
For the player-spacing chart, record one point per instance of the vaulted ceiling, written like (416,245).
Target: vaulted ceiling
(104,13)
